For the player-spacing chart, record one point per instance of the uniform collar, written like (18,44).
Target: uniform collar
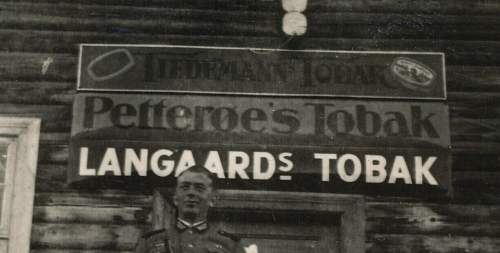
(199,226)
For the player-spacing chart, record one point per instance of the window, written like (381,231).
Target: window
(18,159)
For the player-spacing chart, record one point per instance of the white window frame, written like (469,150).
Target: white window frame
(24,134)
(8,182)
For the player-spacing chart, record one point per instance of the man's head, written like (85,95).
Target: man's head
(194,193)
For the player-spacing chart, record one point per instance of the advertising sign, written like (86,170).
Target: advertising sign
(399,171)
(333,121)
(248,71)
(333,145)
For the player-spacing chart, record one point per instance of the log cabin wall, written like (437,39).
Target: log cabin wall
(38,61)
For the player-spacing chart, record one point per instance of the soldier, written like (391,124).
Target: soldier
(191,233)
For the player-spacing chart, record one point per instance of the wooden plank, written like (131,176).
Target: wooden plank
(54,117)
(51,178)
(403,6)
(85,236)
(474,130)
(477,178)
(226,22)
(473,78)
(55,154)
(36,92)
(98,199)
(458,51)
(158,26)
(57,138)
(393,243)
(76,251)
(91,215)
(433,219)
(37,67)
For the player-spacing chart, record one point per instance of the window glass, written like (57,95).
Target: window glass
(3,162)
(3,169)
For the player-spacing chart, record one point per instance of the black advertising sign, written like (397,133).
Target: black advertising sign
(211,70)
(360,122)
(375,170)
(308,144)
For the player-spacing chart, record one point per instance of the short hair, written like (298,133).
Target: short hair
(202,170)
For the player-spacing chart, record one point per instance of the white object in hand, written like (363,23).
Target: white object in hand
(252,248)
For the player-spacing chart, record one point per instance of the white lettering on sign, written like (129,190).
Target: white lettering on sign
(325,165)
(349,168)
(375,168)
(259,165)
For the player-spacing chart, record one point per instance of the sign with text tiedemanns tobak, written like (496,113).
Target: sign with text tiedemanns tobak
(334,145)
(222,70)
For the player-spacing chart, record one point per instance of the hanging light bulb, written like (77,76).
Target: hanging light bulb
(294,5)
(294,22)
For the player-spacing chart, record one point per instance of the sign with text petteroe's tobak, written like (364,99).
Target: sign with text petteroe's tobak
(305,144)
(142,68)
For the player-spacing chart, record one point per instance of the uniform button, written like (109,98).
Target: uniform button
(190,231)
(190,245)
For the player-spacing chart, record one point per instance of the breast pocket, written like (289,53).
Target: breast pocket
(216,248)
(158,248)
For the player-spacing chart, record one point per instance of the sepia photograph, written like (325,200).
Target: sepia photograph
(249,126)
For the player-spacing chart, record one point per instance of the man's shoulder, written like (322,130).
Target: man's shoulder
(224,237)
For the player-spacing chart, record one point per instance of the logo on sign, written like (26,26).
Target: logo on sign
(412,74)
(110,65)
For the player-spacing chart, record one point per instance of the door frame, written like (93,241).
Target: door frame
(350,209)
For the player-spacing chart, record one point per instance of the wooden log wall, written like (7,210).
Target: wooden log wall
(38,57)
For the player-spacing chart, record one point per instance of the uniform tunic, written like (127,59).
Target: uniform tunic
(182,238)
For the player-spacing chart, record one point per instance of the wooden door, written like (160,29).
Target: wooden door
(285,231)
(283,222)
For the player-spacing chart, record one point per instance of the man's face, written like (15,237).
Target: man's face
(193,196)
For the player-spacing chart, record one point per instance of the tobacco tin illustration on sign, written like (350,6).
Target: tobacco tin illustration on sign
(412,74)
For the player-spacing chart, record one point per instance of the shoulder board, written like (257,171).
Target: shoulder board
(229,235)
(154,232)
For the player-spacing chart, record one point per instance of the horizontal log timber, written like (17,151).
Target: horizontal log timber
(421,219)
(85,236)
(54,138)
(458,52)
(122,19)
(76,251)
(51,178)
(54,117)
(105,198)
(37,92)
(401,218)
(37,67)
(393,243)
(403,6)
(433,219)
(91,215)
(473,78)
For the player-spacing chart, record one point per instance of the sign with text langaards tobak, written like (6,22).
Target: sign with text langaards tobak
(374,170)
(211,70)
(338,145)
